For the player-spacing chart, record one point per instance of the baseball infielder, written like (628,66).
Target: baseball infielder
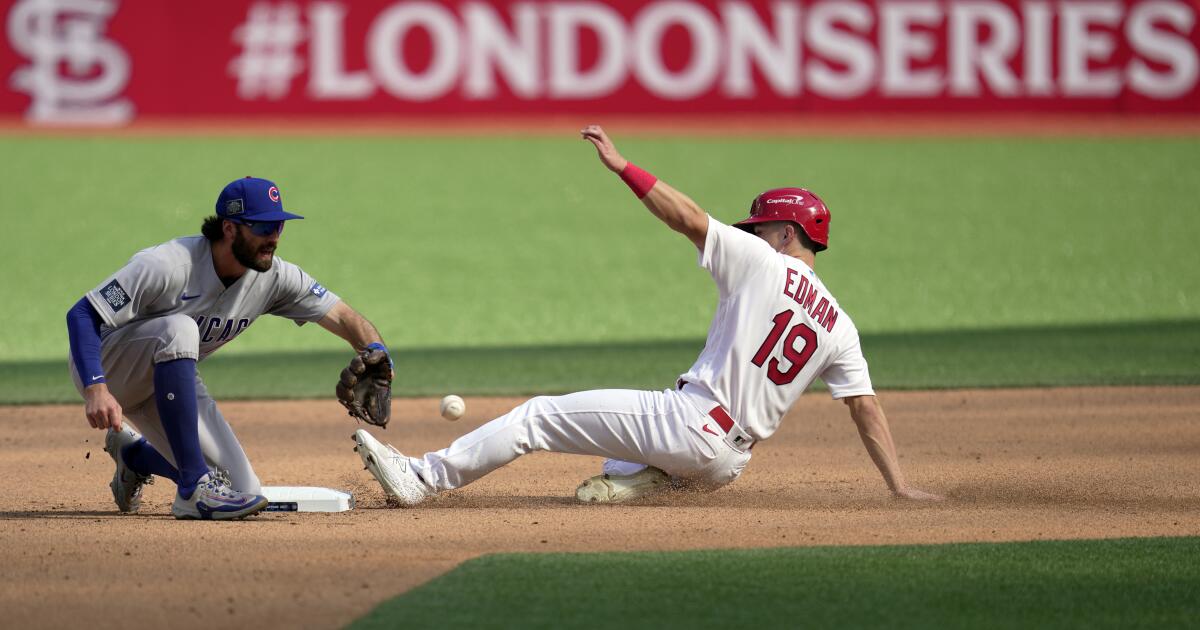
(777,327)
(136,339)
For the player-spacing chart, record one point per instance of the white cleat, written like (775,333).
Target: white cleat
(622,488)
(126,485)
(391,469)
(215,500)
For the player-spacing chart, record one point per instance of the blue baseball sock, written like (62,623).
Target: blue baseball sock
(142,458)
(175,397)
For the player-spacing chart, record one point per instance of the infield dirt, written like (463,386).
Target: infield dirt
(1015,465)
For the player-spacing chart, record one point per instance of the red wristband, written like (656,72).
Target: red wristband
(639,181)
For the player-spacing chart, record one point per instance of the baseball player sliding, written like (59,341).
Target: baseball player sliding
(776,329)
(136,339)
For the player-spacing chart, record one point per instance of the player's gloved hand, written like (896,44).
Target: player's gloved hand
(365,387)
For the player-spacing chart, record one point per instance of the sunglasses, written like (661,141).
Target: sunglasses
(262,228)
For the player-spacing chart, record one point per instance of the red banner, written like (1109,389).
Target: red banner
(107,62)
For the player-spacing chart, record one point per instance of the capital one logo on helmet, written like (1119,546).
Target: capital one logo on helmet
(788,199)
(273,193)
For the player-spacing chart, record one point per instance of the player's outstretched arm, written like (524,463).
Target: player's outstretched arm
(877,438)
(348,324)
(672,207)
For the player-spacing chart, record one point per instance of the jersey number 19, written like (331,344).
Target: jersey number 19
(797,357)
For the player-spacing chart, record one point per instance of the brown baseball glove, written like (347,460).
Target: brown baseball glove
(365,388)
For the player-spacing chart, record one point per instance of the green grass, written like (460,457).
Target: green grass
(502,242)
(519,265)
(1123,583)
(1103,354)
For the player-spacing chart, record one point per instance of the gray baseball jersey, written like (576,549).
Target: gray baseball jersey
(178,277)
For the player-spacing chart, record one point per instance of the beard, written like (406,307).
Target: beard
(258,258)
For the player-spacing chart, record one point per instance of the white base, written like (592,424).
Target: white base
(307,499)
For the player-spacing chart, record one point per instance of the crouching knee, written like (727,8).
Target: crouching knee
(179,338)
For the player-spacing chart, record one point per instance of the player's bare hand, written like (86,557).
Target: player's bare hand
(103,411)
(912,494)
(604,147)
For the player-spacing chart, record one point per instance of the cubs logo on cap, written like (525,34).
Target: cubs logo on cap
(253,199)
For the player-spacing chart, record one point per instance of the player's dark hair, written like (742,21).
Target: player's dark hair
(805,242)
(211,229)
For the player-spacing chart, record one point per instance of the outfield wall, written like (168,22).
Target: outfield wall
(103,62)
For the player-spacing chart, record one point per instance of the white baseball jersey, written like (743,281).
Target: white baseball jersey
(776,329)
(178,277)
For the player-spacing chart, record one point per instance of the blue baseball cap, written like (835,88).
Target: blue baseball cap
(252,199)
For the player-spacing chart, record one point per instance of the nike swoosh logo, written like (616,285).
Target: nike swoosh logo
(708,430)
(96,378)
(236,502)
(190,297)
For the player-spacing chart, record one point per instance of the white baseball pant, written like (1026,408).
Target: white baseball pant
(631,428)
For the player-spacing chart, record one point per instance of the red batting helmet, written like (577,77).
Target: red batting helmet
(791,204)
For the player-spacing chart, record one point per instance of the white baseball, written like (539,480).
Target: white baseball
(453,407)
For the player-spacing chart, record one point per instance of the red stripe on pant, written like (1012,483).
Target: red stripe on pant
(718,413)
